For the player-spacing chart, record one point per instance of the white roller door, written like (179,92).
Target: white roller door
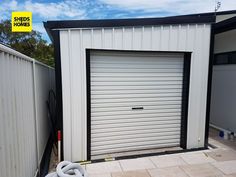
(135,101)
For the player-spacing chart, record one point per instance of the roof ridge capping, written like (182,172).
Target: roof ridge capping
(183,19)
(171,20)
(208,17)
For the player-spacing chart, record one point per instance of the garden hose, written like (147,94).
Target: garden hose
(68,169)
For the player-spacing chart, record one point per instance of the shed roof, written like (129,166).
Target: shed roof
(183,19)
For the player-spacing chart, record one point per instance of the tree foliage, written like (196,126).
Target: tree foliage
(30,44)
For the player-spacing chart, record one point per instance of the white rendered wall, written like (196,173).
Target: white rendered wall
(220,18)
(193,38)
(225,42)
(223,94)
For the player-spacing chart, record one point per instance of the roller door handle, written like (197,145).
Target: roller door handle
(137,108)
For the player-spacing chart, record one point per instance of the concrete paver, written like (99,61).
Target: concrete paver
(138,173)
(103,167)
(233,175)
(227,167)
(223,155)
(196,158)
(136,164)
(202,170)
(167,172)
(167,160)
(100,175)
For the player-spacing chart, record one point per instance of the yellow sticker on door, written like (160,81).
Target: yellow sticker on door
(21,21)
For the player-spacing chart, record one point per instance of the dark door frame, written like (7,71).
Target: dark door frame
(185,94)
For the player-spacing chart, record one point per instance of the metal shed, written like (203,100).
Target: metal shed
(131,85)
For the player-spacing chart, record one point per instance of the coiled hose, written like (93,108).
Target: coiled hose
(68,169)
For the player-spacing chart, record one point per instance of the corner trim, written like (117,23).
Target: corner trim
(209,85)
(88,104)
(58,77)
(185,100)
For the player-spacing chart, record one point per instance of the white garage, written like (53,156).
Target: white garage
(131,85)
(136,101)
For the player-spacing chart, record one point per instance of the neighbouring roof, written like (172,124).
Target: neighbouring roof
(225,25)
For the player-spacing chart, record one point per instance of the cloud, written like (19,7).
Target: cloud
(9,6)
(45,10)
(6,7)
(39,27)
(13,5)
(56,10)
(172,6)
(81,9)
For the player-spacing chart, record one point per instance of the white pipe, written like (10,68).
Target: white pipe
(67,169)
(59,145)
(59,151)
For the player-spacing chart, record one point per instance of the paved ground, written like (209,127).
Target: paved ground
(208,163)
(220,142)
(219,162)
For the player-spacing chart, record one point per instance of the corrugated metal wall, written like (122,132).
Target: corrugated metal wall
(24,128)
(193,38)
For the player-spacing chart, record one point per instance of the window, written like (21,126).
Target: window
(232,58)
(225,58)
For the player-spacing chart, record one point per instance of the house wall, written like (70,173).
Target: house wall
(223,112)
(24,130)
(220,18)
(225,42)
(223,94)
(193,38)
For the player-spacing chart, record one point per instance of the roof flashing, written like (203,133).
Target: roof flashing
(128,22)
(210,17)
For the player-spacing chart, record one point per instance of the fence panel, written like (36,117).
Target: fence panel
(24,130)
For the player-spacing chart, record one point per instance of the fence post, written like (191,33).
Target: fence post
(35,116)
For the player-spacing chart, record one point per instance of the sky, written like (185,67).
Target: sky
(45,10)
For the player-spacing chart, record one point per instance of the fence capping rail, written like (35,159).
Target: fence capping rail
(11,51)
